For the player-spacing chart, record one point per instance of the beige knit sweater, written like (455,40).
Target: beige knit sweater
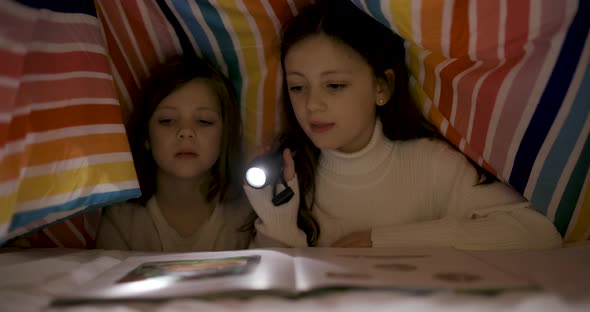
(419,193)
(130,226)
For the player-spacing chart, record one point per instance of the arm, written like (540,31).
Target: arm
(516,227)
(262,241)
(471,216)
(109,235)
(276,226)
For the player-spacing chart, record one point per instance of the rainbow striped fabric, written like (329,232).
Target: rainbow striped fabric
(509,83)
(506,81)
(63,146)
(239,36)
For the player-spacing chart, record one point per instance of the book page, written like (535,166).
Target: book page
(416,269)
(191,274)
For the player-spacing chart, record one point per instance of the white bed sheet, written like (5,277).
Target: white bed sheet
(28,279)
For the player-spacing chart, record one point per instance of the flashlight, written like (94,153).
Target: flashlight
(267,170)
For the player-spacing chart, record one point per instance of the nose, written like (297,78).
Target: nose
(315,102)
(185,133)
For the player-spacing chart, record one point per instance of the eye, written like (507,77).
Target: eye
(205,119)
(166,121)
(337,86)
(204,122)
(295,89)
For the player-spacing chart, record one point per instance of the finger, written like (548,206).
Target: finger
(356,244)
(258,151)
(337,244)
(343,242)
(289,165)
(261,150)
(359,244)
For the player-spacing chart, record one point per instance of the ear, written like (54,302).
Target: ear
(385,87)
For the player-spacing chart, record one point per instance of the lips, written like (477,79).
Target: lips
(186,154)
(321,127)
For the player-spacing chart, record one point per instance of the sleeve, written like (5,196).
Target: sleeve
(276,225)
(262,241)
(472,216)
(109,234)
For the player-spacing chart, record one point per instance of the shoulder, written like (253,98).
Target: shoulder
(235,214)
(128,225)
(435,158)
(428,149)
(422,145)
(125,212)
(237,209)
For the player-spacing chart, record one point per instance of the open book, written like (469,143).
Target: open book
(293,272)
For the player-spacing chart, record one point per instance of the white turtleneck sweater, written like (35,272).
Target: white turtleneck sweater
(407,193)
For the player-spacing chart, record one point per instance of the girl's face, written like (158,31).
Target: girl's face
(185,131)
(333,92)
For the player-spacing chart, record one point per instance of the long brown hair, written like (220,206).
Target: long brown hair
(225,181)
(382,50)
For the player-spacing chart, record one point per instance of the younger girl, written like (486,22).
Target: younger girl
(370,170)
(185,138)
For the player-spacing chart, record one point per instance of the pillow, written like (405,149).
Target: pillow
(63,147)
(510,95)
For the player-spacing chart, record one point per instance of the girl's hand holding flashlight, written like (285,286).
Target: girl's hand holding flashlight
(289,165)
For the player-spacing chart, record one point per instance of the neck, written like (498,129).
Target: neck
(362,161)
(179,194)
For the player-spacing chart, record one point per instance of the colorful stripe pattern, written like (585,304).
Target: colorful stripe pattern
(63,146)
(239,36)
(509,83)
(506,81)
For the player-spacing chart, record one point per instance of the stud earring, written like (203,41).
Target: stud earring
(380,102)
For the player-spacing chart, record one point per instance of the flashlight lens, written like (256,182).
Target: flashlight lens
(256,177)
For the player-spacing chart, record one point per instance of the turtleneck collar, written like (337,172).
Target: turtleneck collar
(362,161)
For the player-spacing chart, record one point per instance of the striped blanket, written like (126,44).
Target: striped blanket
(506,81)
(63,146)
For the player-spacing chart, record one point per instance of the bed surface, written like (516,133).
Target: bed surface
(29,277)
